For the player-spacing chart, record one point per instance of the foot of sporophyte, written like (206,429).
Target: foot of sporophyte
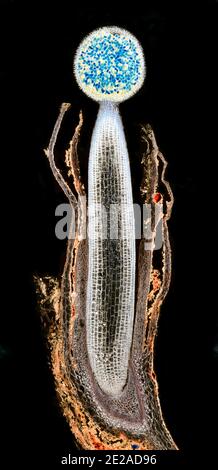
(106,384)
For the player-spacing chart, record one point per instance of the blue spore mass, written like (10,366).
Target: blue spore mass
(110,63)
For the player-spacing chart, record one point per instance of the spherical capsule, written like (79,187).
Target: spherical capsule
(109,65)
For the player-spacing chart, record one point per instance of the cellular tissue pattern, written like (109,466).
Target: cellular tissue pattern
(101,317)
(111,278)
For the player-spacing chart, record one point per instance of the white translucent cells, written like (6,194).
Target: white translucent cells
(111,274)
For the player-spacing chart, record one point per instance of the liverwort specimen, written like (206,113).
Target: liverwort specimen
(101,318)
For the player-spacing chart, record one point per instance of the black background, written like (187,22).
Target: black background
(38,41)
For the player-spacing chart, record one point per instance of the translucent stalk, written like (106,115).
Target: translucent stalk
(111,269)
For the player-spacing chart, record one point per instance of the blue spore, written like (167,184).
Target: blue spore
(135,446)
